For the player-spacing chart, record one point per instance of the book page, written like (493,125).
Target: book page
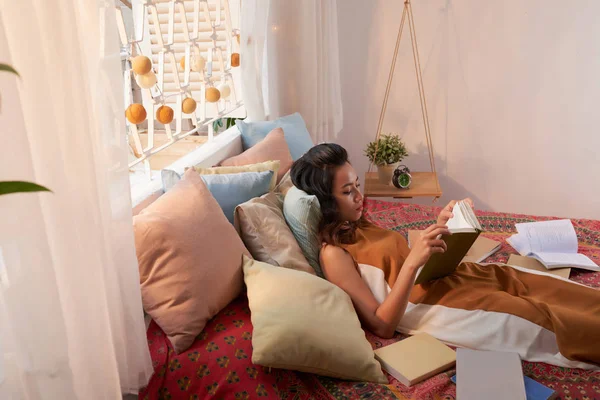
(549,236)
(566,259)
(470,215)
(458,221)
(519,243)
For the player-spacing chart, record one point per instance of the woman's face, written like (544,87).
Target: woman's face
(347,193)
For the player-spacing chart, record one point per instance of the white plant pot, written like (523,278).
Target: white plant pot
(386,172)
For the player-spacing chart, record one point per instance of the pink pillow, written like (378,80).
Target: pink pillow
(272,147)
(190,259)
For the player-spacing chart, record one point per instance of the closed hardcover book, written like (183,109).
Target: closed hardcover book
(490,375)
(533,389)
(415,359)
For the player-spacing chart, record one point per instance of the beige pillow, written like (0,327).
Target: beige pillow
(266,235)
(284,184)
(190,260)
(305,323)
(258,167)
(272,147)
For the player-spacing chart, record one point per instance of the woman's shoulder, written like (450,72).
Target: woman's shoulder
(331,250)
(336,260)
(332,254)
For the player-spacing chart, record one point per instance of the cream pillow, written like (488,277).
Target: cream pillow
(258,167)
(266,235)
(305,323)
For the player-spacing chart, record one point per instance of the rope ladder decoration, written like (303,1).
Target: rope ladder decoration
(166,101)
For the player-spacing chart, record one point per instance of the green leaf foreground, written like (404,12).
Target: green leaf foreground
(8,187)
(8,68)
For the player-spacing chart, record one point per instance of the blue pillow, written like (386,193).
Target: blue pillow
(231,190)
(302,213)
(294,130)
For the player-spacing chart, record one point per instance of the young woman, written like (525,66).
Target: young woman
(487,307)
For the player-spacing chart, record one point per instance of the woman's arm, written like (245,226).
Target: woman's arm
(381,319)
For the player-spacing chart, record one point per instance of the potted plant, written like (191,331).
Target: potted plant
(387,152)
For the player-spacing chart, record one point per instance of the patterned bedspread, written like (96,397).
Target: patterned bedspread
(218,364)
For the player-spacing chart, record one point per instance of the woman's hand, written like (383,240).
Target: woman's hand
(446,213)
(427,244)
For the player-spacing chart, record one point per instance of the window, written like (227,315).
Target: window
(169,32)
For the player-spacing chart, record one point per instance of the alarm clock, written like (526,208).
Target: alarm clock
(402,178)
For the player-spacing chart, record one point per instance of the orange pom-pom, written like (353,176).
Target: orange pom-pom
(182,63)
(188,106)
(235,59)
(164,115)
(141,65)
(212,94)
(135,113)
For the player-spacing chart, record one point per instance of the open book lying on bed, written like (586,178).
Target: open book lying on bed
(553,243)
(464,229)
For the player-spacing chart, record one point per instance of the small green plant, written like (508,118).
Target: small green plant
(389,151)
(218,123)
(7,187)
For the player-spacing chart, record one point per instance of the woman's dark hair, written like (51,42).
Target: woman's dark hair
(313,173)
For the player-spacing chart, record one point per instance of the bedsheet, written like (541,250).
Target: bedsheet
(218,365)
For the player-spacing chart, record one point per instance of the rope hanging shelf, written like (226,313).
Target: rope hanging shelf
(423,183)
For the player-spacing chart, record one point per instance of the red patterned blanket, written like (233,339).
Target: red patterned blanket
(218,364)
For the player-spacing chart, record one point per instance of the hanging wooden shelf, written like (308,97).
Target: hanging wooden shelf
(423,183)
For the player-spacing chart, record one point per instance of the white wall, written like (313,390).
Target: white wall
(513,89)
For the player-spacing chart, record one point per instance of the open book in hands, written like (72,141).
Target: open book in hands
(464,229)
(553,243)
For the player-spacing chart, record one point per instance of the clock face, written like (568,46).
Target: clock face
(404,180)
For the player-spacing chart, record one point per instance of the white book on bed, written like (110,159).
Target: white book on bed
(553,243)
(489,375)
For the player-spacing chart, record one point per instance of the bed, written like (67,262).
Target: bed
(218,365)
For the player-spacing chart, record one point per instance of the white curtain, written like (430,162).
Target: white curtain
(290,62)
(71,320)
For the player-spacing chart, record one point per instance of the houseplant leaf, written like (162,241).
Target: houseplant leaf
(8,68)
(8,187)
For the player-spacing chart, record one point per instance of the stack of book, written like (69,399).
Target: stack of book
(494,375)
(486,375)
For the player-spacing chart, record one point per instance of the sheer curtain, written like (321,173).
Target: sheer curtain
(71,321)
(290,62)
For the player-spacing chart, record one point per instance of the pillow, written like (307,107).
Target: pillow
(273,147)
(170,178)
(272,165)
(294,129)
(231,190)
(307,324)
(284,185)
(302,213)
(190,260)
(263,230)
